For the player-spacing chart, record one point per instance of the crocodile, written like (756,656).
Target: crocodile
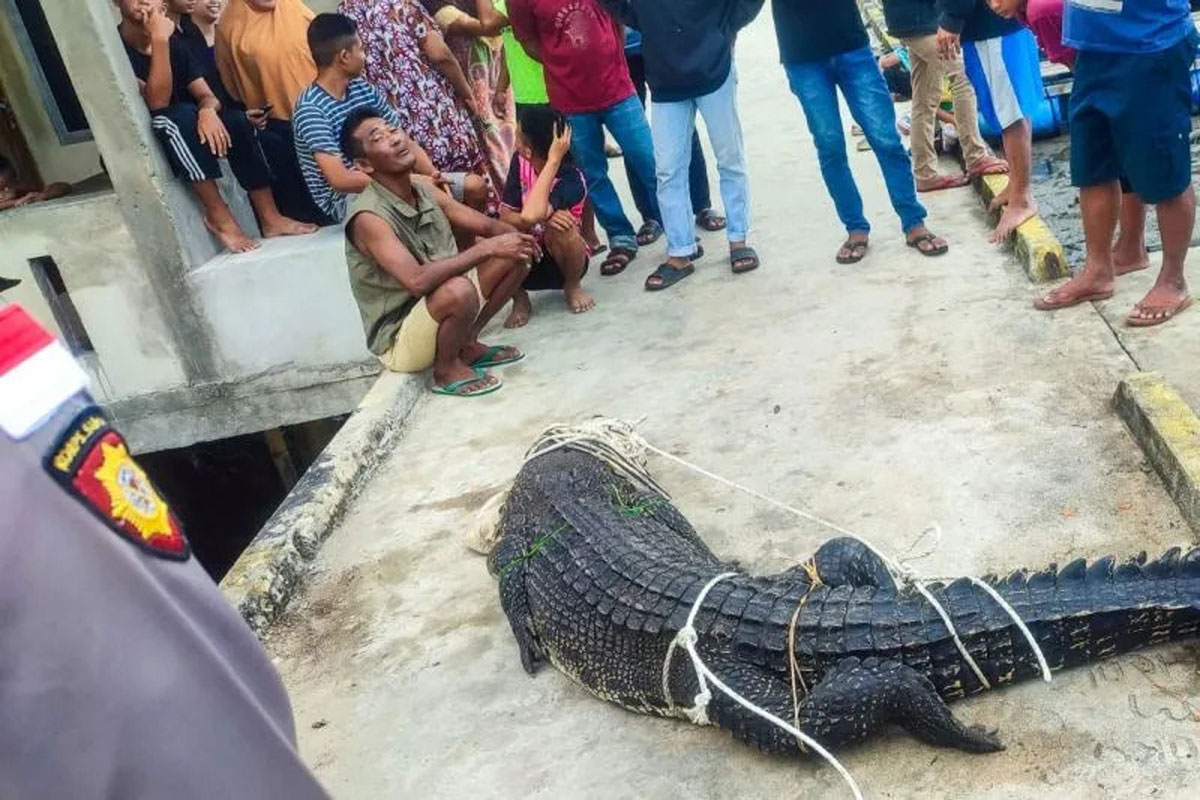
(598,574)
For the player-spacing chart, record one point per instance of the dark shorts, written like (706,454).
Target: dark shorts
(1131,117)
(545,274)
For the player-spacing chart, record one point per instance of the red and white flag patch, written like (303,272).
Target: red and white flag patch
(37,374)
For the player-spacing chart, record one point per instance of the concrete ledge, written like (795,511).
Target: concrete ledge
(273,567)
(1036,247)
(1169,433)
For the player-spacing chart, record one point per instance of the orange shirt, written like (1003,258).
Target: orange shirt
(263,56)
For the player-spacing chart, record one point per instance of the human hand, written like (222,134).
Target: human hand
(212,132)
(562,141)
(158,25)
(258,117)
(511,246)
(562,221)
(948,44)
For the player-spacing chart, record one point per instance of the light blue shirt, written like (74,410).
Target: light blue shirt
(1126,26)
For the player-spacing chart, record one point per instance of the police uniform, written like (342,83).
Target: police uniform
(123,671)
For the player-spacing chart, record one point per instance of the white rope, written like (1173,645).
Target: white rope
(687,639)
(618,444)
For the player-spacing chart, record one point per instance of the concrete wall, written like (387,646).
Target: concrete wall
(57,162)
(89,242)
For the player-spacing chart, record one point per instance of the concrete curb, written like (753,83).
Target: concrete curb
(1036,247)
(271,570)
(1169,433)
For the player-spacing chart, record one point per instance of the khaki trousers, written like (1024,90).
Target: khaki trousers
(928,71)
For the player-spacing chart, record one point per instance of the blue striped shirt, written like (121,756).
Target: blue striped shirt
(317,127)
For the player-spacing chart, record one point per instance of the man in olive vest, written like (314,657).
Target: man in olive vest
(423,301)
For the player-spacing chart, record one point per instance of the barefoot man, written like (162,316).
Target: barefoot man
(423,303)
(1131,117)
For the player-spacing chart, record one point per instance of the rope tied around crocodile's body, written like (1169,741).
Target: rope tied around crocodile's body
(620,446)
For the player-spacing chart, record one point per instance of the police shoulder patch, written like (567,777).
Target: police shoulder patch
(92,462)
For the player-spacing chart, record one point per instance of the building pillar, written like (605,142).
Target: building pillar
(91,48)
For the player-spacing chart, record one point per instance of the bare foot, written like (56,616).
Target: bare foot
(286,226)
(1126,264)
(999,201)
(1162,303)
(1014,214)
(522,310)
(1083,288)
(578,300)
(231,236)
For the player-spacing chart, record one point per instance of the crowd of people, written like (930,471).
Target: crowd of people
(462,143)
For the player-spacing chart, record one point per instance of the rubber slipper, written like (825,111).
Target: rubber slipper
(1135,321)
(1050,302)
(618,259)
(488,359)
(452,389)
(858,251)
(668,276)
(710,220)
(944,182)
(937,250)
(597,250)
(745,255)
(991,165)
(649,233)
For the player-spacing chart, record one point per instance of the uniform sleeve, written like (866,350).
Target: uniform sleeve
(742,13)
(524,24)
(512,196)
(313,129)
(569,190)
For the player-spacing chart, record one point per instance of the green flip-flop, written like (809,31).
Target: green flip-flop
(452,389)
(488,359)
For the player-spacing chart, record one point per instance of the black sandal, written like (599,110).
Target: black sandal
(650,232)
(618,259)
(933,250)
(743,259)
(667,276)
(858,251)
(710,220)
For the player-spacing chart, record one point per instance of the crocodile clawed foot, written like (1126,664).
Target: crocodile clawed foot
(980,740)
(531,652)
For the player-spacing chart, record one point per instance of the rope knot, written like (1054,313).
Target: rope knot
(687,636)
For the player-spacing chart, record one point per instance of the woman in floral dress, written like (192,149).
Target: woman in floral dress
(409,62)
(473,33)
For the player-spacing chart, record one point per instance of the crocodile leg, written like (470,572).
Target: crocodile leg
(848,562)
(508,559)
(858,698)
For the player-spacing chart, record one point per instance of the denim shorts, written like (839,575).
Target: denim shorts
(1131,117)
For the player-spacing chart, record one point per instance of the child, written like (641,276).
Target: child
(545,196)
(1045,19)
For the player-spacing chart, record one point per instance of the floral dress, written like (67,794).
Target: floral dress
(392,32)
(482,61)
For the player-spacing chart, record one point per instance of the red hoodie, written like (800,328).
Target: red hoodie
(1045,18)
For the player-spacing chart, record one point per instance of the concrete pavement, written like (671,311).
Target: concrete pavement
(882,396)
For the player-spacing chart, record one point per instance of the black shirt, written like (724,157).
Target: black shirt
(812,30)
(205,58)
(184,69)
(568,193)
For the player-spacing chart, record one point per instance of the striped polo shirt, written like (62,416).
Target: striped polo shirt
(317,127)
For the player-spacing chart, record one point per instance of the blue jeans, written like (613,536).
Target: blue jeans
(674,126)
(627,122)
(816,83)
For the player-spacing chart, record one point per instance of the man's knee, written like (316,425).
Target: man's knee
(456,297)
(241,131)
(564,243)
(475,192)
